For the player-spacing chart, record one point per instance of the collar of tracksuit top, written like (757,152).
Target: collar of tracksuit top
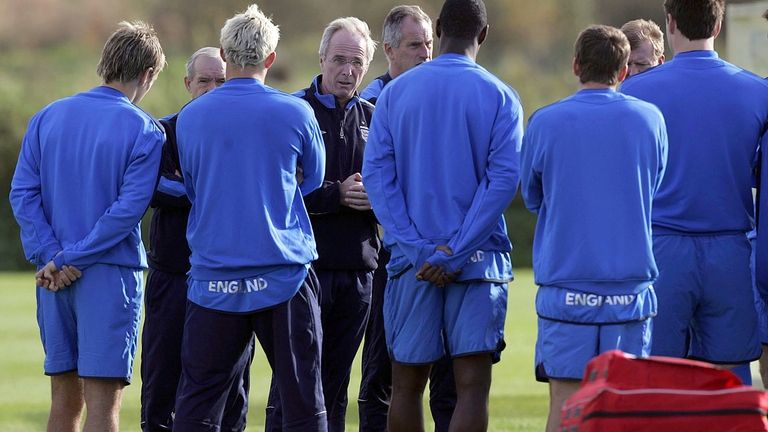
(339,123)
(327,100)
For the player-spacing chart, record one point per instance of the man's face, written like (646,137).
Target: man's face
(208,74)
(642,58)
(415,46)
(344,65)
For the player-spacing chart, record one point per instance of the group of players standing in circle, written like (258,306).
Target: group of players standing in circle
(270,208)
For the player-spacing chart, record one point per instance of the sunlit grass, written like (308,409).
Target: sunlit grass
(518,403)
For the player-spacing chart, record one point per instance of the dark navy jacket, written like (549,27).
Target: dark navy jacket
(168,248)
(346,239)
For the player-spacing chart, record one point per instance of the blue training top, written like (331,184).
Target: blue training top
(591,165)
(715,114)
(250,236)
(372,92)
(85,176)
(444,173)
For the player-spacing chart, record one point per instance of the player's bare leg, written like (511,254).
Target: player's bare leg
(405,408)
(559,392)
(473,385)
(66,403)
(102,400)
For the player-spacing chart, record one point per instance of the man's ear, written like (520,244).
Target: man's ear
(187,83)
(671,25)
(718,27)
(221,54)
(388,50)
(623,72)
(270,60)
(438,29)
(146,76)
(576,68)
(483,34)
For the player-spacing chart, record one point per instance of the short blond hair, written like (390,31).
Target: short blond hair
(132,49)
(640,30)
(249,37)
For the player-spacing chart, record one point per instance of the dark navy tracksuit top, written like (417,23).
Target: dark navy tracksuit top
(347,239)
(169,251)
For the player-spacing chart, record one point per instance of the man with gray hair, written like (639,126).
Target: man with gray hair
(84,179)
(342,220)
(250,236)
(646,42)
(407,41)
(166,294)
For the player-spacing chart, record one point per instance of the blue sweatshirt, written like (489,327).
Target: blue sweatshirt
(372,92)
(715,114)
(443,173)
(85,176)
(591,165)
(239,147)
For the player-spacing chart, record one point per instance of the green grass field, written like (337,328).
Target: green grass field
(518,403)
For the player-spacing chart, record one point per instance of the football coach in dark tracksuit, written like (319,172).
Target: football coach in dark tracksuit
(344,226)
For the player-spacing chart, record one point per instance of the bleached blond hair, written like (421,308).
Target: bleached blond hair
(249,37)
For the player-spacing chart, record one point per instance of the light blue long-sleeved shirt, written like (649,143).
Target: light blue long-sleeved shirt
(85,176)
(239,147)
(715,114)
(591,165)
(441,163)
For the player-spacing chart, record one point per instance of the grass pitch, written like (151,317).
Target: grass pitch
(518,403)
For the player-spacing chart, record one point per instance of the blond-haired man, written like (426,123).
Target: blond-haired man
(646,42)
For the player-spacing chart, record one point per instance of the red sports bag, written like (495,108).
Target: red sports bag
(662,394)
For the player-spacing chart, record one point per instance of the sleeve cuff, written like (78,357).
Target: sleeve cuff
(58,260)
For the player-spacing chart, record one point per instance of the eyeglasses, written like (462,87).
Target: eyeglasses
(355,62)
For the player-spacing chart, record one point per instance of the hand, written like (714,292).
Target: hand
(299,175)
(69,274)
(53,279)
(436,275)
(45,277)
(352,193)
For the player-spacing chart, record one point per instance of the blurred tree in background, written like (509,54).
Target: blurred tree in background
(50,49)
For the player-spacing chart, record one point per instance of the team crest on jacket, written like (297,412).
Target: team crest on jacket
(364,132)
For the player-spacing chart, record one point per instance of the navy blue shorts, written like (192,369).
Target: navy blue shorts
(215,349)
